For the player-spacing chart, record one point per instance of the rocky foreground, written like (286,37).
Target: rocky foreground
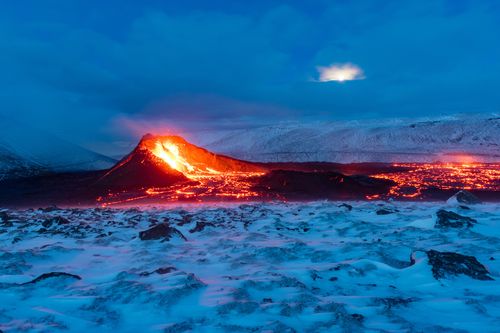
(302,267)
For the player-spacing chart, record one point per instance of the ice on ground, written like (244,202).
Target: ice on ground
(273,267)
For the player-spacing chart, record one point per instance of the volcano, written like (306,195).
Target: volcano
(163,161)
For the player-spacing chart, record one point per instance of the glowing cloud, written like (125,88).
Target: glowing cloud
(340,73)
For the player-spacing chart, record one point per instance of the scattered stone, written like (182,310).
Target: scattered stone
(161,271)
(384,211)
(51,275)
(200,226)
(5,219)
(390,302)
(186,219)
(451,263)
(358,317)
(447,219)
(349,207)
(49,209)
(161,231)
(58,220)
(267,300)
(464,197)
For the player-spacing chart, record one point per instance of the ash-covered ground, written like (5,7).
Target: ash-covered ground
(274,267)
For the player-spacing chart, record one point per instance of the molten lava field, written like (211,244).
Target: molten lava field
(321,266)
(166,169)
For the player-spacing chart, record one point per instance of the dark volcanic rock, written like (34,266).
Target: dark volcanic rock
(390,302)
(160,271)
(447,219)
(52,275)
(465,197)
(5,219)
(451,263)
(347,206)
(49,209)
(328,185)
(200,226)
(384,211)
(160,231)
(58,220)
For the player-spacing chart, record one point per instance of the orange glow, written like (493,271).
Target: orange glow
(169,152)
(208,176)
(444,176)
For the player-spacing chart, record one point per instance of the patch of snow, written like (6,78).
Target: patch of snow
(258,266)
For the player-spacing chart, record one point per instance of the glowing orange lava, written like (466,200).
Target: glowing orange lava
(174,170)
(443,176)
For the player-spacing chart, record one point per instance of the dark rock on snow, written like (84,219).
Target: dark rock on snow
(465,197)
(46,276)
(447,219)
(160,231)
(349,207)
(450,263)
(200,226)
(58,220)
(384,211)
(5,219)
(160,271)
(49,209)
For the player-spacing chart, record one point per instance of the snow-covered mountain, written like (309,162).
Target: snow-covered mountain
(388,140)
(14,166)
(24,151)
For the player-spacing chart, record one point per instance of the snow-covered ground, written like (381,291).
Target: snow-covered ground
(383,140)
(274,267)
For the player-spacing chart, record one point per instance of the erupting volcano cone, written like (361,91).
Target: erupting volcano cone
(160,161)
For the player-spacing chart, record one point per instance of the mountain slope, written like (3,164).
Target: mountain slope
(424,140)
(33,147)
(13,166)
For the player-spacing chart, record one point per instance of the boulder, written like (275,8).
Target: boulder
(200,226)
(452,264)
(384,211)
(447,219)
(58,220)
(464,197)
(160,231)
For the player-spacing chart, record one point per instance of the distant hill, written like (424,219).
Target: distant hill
(26,151)
(386,140)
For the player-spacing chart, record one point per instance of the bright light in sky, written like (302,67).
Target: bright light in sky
(340,73)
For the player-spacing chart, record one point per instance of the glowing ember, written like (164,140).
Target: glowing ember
(443,176)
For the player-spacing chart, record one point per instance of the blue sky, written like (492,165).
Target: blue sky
(84,69)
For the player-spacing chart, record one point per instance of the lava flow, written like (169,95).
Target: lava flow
(420,177)
(167,169)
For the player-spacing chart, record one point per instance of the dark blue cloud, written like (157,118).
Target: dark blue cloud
(74,66)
